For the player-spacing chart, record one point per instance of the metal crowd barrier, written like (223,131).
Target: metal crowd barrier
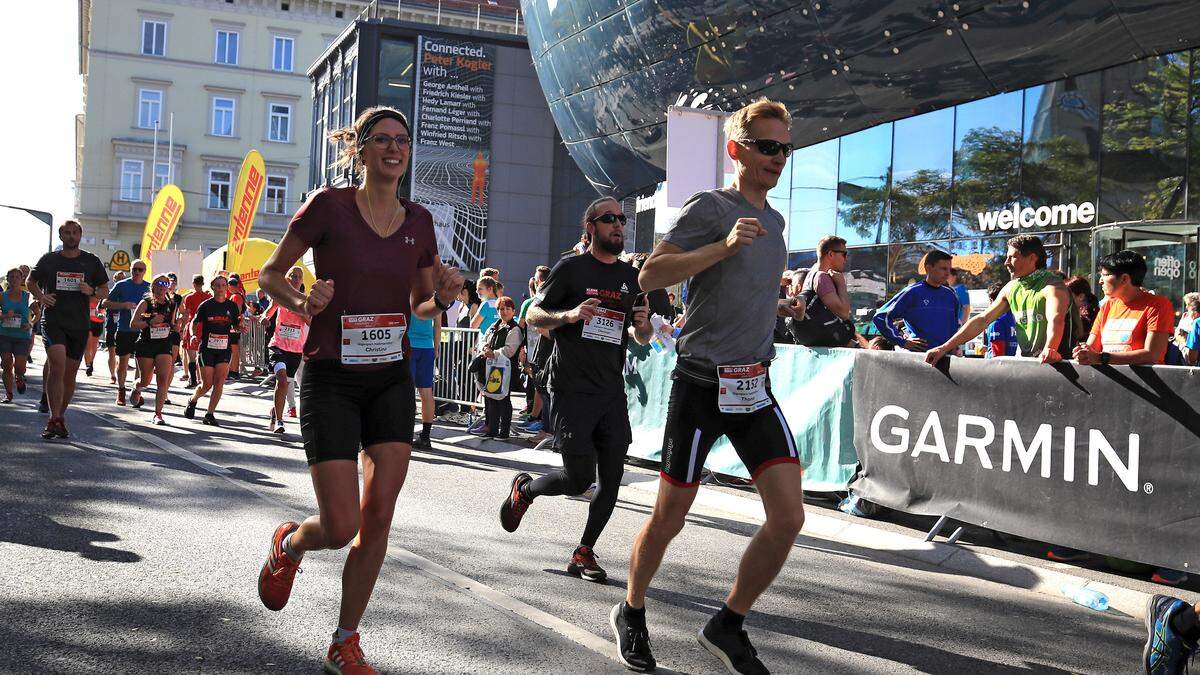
(253,346)
(453,382)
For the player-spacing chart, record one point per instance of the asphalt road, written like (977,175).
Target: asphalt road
(132,548)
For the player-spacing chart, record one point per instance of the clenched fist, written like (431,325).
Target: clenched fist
(448,283)
(319,297)
(744,232)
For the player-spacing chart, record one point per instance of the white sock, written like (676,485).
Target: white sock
(340,635)
(291,552)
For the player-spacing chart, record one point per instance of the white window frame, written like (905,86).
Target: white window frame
(290,50)
(145,122)
(270,189)
(142,46)
(213,130)
(162,171)
(223,59)
(227,183)
(287,122)
(129,190)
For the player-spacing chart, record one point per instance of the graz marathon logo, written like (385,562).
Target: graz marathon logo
(976,438)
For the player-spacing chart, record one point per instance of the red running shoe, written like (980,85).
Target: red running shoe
(515,505)
(583,565)
(346,658)
(278,572)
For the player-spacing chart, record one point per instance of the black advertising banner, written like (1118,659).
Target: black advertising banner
(452,150)
(1104,459)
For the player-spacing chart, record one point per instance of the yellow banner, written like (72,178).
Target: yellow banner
(160,224)
(246,198)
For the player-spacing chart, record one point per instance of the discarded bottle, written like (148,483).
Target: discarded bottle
(1087,597)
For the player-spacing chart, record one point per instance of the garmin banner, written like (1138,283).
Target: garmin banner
(1104,459)
(452,148)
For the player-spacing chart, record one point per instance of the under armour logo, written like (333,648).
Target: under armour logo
(624,288)
(410,241)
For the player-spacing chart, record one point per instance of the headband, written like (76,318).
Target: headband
(374,119)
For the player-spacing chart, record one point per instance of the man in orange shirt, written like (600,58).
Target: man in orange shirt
(1134,326)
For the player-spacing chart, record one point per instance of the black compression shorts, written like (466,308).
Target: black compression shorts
(289,361)
(590,424)
(74,340)
(96,329)
(210,358)
(149,349)
(126,342)
(694,422)
(343,411)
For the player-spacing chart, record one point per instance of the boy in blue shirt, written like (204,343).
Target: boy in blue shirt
(929,309)
(1000,338)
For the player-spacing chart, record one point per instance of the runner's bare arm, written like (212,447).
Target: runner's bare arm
(669,264)
(138,322)
(1058,301)
(43,298)
(540,318)
(273,277)
(969,330)
(444,280)
(101,291)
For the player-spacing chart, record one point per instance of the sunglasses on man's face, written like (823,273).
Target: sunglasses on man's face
(769,147)
(163,284)
(610,218)
(139,269)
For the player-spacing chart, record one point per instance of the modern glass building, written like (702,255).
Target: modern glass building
(1113,146)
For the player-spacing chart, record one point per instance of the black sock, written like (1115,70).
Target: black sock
(729,619)
(637,617)
(425,427)
(1184,622)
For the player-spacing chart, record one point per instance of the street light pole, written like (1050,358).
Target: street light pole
(40,215)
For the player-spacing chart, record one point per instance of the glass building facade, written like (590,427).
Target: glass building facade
(1124,141)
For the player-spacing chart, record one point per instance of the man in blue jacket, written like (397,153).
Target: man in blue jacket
(928,309)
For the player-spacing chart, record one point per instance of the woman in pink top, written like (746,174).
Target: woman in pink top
(287,347)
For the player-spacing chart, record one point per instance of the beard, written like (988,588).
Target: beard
(609,246)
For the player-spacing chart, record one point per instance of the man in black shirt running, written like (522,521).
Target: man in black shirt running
(592,306)
(64,283)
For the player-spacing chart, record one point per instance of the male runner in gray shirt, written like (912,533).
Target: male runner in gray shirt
(729,244)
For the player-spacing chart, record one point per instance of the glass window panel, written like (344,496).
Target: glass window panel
(921,169)
(218,189)
(227,48)
(280,123)
(283,60)
(1061,143)
(1145,131)
(864,177)
(149,108)
(275,199)
(814,194)
(987,159)
(161,175)
(131,180)
(154,38)
(396,66)
(222,117)
(866,281)
(802,260)
(1193,207)
(905,263)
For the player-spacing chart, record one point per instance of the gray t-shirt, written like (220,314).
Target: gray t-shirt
(732,305)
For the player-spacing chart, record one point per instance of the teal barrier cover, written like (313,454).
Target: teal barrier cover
(813,387)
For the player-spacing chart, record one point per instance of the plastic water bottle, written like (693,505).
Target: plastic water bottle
(1086,596)
(662,340)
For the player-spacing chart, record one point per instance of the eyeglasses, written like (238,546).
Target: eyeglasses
(139,269)
(383,141)
(769,147)
(609,218)
(163,284)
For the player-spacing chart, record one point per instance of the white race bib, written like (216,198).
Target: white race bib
(217,342)
(14,322)
(68,281)
(742,389)
(289,332)
(605,326)
(373,338)
(159,332)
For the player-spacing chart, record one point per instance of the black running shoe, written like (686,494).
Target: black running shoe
(732,647)
(20,384)
(515,505)
(88,370)
(583,565)
(43,405)
(210,420)
(633,642)
(190,411)
(422,443)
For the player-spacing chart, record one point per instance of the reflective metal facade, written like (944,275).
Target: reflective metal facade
(610,68)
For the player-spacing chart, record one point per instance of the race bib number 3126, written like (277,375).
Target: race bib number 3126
(605,326)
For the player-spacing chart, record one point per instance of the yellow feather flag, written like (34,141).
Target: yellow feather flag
(160,223)
(251,180)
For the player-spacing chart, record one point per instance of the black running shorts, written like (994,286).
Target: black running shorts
(210,358)
(590,424)
(694,422)
(96,329)
(126,342)
(74,340)
(235,338)
(289,361)
(343,411)
(149,349)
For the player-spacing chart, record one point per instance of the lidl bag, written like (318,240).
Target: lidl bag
(497,376)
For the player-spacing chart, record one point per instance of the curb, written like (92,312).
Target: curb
(950,557)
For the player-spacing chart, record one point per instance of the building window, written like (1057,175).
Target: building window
(922,164)
(864,183)
(219,185)
(283,54)
(227,48)
(276,196)
(223,110)
(131,180)
(161,175)
(154,38)
(814,194)
(279,126)
(149,108)
(987,160)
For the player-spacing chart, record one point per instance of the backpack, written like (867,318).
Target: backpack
(820,327)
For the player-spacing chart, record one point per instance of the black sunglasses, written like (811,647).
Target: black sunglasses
(769,147)
(609,218)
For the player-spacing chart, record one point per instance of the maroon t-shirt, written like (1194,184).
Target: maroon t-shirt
(371,275)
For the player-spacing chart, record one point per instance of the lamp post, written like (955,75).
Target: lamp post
(42,216)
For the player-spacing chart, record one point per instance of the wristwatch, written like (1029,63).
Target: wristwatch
(438,301)
(1105,358)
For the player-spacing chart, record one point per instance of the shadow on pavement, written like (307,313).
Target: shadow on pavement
(37,530)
